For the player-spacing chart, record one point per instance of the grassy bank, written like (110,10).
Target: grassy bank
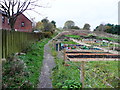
(22,71)
(65,76)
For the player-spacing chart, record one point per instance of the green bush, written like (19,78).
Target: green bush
(14,72)
(65,39)
(47,34)
(69,84)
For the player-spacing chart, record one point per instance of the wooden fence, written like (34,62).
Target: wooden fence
(12,42)
(0,44)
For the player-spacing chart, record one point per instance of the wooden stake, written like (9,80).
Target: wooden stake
(82,73)
(114,47)
(64,55)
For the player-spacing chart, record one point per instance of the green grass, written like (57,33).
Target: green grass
(64,76)
(34,59)
(62,73)
(105,71)
(24,70)
(69,42)
(108,38)
(73,36)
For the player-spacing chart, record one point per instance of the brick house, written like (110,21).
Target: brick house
(22,23)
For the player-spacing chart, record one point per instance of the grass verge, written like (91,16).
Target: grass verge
(23,71)
(65,76)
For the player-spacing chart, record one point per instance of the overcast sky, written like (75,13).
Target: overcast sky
(93,12)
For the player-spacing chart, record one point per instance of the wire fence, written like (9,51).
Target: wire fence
(102,74)
(96,73)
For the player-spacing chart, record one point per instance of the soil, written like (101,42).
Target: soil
(94,56)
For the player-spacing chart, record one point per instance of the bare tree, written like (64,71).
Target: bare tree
(13,8)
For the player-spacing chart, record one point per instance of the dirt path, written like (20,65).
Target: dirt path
(48,64)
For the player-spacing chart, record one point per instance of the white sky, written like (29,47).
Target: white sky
(93,12)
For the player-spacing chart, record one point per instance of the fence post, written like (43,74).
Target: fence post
(114,46)
(82,73)
(64,55)
(0,59)
(0,44)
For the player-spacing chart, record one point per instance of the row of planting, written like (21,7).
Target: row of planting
(105,42)
(95,37)
(98,74)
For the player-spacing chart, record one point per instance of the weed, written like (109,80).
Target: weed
(23,71)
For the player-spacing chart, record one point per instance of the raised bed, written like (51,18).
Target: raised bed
(87,52)
(93,56)
(77,51)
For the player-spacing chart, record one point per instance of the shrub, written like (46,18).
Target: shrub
(14,71)
(75,27)
(65,39)
(47,34)
(69,84)
(23,71)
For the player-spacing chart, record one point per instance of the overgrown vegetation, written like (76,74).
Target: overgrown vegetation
(103,38)
(69,42)
(65,76)
(98,74)
(109,28)
(73,36)
(45,26)
(108,38)
(23,71)
(102,74)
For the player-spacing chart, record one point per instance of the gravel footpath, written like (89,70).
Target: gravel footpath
(48,64)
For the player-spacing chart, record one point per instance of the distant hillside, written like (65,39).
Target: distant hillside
(104,34)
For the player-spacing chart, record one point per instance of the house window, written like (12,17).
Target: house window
(22,24)
(3,19)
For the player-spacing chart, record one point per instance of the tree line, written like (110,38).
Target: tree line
(109,28)
(45,26)
(71,25)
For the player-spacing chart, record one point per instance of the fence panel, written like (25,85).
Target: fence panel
(12,42)
(0,44)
